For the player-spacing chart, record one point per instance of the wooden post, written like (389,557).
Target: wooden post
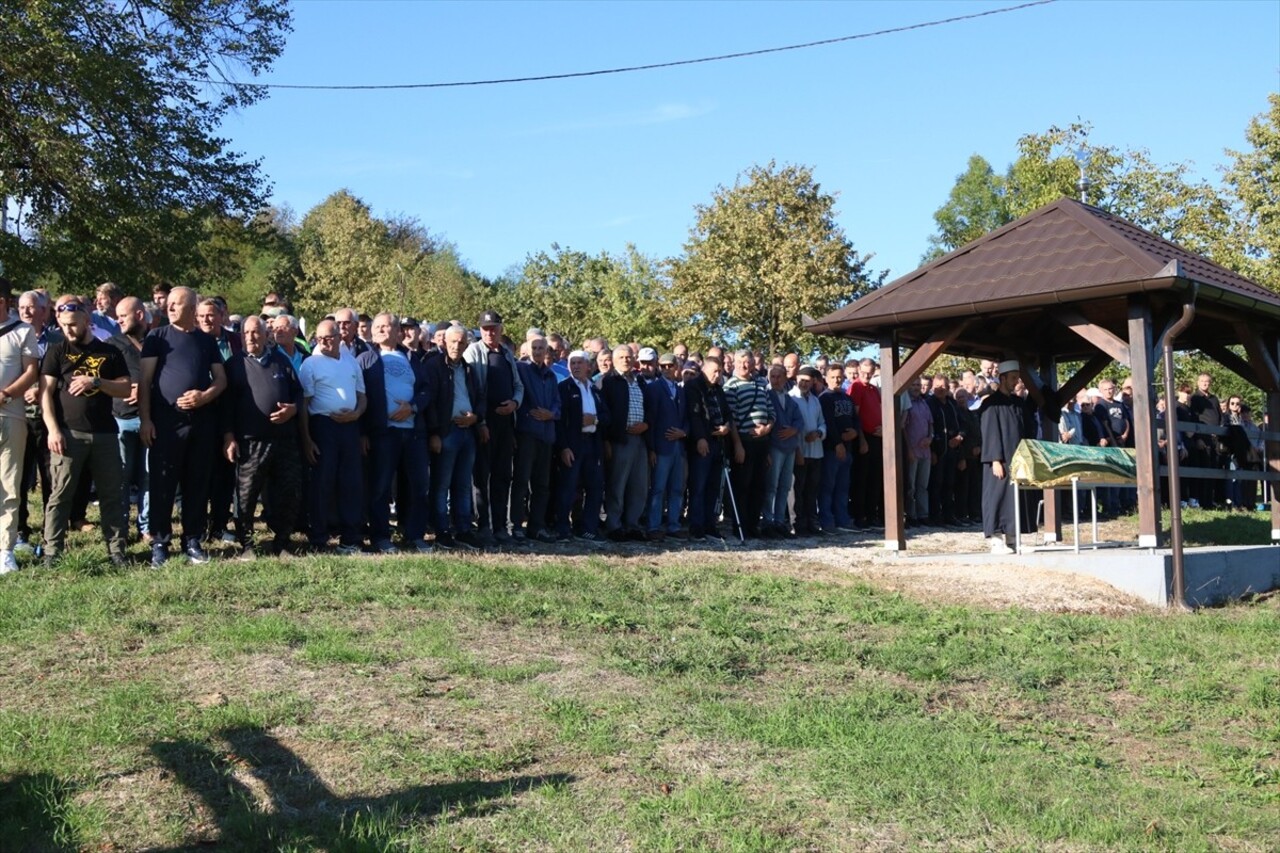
(1273,464)
(895,525)
(1144,423)
(1049,432)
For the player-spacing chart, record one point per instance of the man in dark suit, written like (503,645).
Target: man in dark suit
(455,426)
(583,419)
(628,485)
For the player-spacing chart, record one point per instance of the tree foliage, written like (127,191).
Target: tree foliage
(622,298)
(109,131)
(1254,180)
(763,254)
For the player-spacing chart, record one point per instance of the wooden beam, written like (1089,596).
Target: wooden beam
(1261,361)
(1049,432)
(1032,379)
(1084,376)
(1099,336)
(923,355)
(1273,464)
(895,522)
(1232,362)
(1144,431)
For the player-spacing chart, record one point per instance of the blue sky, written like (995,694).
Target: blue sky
(886,123)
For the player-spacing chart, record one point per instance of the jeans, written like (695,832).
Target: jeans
(918,488)
(667,486)
(777,486)
(705,475)
(451,480)
(398,454)
(135,468)
(833,493)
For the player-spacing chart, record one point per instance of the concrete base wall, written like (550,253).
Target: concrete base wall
(1213,575)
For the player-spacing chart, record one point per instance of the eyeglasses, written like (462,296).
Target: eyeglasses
(326,337)
(70,307)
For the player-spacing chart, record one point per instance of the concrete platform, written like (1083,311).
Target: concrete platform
(1213,575)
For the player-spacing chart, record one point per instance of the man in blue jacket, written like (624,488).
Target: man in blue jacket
(784,444)
(394,429)
(535,438)
(668,413)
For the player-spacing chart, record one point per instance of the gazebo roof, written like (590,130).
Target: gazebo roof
(1065,258)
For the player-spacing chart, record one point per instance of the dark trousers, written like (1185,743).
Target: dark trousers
(942,488)
(585,475)
(866,485)
(36,462)
(96,453)
(180,457)
(398,456)
(808,480)
(969,488)
(270,469)
(493,472)
(997,504)
(336,481)
(747,480)
(530,487)
(222,490)
(705,475)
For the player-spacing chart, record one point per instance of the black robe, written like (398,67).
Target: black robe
(1003,423)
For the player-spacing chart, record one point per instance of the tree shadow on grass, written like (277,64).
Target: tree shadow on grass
(259,795)
(33,811)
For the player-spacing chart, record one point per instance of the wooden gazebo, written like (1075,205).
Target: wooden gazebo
(1068,282)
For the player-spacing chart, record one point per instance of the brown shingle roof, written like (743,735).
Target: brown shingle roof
(1066,252)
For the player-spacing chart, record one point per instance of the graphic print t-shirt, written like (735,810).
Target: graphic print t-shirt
(91,411)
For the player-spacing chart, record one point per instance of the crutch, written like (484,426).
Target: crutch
(727,486)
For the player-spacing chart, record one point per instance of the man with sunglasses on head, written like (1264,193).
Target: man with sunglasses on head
(79,377)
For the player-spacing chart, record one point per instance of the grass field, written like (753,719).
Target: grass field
(649,703)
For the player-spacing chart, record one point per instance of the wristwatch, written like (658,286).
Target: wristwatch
(97,383)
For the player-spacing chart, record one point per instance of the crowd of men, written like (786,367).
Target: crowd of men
(382,428)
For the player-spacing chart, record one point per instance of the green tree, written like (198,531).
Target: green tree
(1254,182)
(345,256)
(109,113)
(976,206)
(763,254)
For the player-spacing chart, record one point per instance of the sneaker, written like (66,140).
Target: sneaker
(588,536)
(998,546)
(195,554)
(518,535)
(228,538)
(22,546)
(1193,504)
(678,534)
(847,528)
(384,546)
(502,537)
(159,554)
(347,550)
(8,563)
(468,540)
(422,546)
(655,536)
(546,537)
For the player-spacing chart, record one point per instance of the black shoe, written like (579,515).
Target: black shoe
(618,535)
(445,541)
(159,554)
(637,535)
(468,540)
(546,537)
(195,554)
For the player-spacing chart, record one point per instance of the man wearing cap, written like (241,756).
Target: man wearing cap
(19,370)
(1002,430)
(79,377)
(668,410)
(501,388)
(648,367)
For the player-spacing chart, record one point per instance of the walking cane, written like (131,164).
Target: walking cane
(727,486)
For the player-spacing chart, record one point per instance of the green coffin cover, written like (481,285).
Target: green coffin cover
(1046,464)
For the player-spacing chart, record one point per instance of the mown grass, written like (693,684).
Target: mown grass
(426,703)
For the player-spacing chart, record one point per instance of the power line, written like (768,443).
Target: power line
(630,68)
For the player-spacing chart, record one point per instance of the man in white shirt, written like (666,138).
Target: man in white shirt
(18,370)
(334,400)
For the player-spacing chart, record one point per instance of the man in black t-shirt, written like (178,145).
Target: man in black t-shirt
(79,376)
(182,373)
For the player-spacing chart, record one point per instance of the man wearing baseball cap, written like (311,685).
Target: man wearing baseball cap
(494,366)
(1002,426)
